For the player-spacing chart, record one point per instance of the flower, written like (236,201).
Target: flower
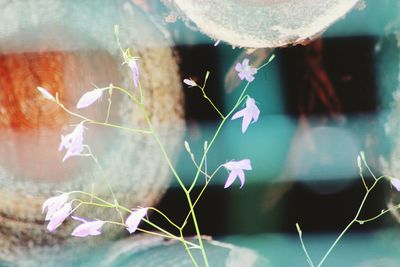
(189,82)
(236,169)
(72,142)
(396,183)
(249,113)
(245,71)
(46,94)
(58,217)
(87,227)
(89,98)
(53,204)
(132,222)
(135,71)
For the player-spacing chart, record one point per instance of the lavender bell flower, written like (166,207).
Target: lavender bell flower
(72,142)
(249,113)
(245,71)
(58,217)
(53,204)
(132,222)
(89,98)
(87,227)
(236,170)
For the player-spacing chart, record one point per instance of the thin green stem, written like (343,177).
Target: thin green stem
(108,110)
(383,212)
(188,249)
(240,99)
(166,236)
(265,64)
(196,226)
(212,103)
(363,180)
(165,216)
(351,223)
(102,123)
(200,194)
(310,262)
(140,93)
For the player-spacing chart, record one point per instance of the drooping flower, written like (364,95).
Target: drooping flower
(245,71)
(249,113)
(45,93)
(236,170)
(396,183)
(58,217)
(189,82)
(133,220)
(72,142)
(135,71)
(87,227)
(53,204)
(89,98)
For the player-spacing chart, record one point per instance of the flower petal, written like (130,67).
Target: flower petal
(245,63)
(53,204)
(246,121)
(396,183)
(238,67)
(87,228)
(245,164)
(133,220)
(240,173)
(231,178)
(135,71)
(238,114)
(59,217)
(89,98)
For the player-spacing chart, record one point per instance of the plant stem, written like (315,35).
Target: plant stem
(376,180)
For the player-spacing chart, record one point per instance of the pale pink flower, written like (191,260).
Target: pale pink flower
(135,71)
(245,71)
(249,113)
(45,93)
(236,170)
(89,98)
(72,142)
(58,217)
(87,227)
(53,204)
(189,82)
(396,183)
(132,222)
